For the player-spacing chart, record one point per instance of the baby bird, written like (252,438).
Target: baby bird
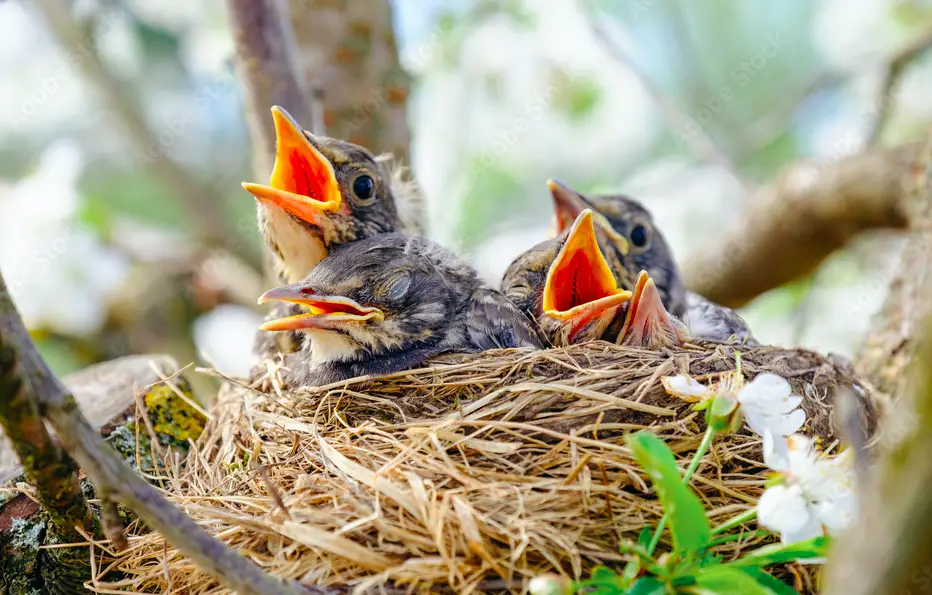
(388,303)
(566,285)
(323,192)
(638,246)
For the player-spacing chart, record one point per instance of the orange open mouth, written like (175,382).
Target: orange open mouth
(303,182)
(647,322)
(324,311)
(580,285)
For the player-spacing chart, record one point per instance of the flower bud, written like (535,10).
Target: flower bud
(723,415)
(550,584)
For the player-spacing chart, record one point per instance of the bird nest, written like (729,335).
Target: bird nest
(471,475)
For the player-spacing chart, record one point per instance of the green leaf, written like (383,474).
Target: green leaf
(645,537)
(777,553)
(689,525)
(646,585)
(767,581)
(602,581)
(722,580)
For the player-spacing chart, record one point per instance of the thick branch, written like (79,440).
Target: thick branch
(111,475)
(792,225)
(267,61)
(78,41)
(892,342)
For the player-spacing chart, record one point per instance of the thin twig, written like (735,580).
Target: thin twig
(685,127)
(892,77)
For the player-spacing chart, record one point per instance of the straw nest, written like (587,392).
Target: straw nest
(471,475)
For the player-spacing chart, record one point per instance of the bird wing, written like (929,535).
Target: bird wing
(493,322)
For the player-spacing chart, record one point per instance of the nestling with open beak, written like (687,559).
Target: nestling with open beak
(388,303)
(323,193)
(637,245)
(566,285)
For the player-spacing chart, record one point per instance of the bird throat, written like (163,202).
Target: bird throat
(299,248)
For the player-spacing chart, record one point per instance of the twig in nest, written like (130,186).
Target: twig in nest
(112,524)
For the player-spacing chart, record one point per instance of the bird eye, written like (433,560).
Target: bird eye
(398,288)
(364,187)
(639,236)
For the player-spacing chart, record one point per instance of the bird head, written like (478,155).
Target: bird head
(370,298)
(323,192)
(628,236)
(647,322)
(580,294)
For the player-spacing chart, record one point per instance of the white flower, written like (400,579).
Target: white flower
(816,494)
(768,404)
(686,387)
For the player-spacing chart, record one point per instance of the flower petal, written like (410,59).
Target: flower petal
(765,388)
(838,514)
(786,425)
(783,508)
(776,452)
(685,387)
(808,531)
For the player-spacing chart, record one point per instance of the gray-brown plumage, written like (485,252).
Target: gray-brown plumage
(638,245)
(566,285)
(323,193)
(388,303)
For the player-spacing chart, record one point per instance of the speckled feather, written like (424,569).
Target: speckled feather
(433,303)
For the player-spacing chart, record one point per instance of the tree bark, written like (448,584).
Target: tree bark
(267,60)
(46,467)
(350,57)
(895,329)
(792,225)
(887,551)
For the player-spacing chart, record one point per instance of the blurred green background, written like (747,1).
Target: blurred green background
(105,258)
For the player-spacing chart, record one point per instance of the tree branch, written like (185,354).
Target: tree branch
(886,551)
(266,57)
(791,226)
(892,342)
(685,128)
(78,41)
(112,476)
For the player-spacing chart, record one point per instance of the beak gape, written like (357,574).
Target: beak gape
(647,322)
(303,182)
(325,312)
(580,288)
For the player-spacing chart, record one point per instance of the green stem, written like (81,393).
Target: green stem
(693,465)
(737,536)
(742,518)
